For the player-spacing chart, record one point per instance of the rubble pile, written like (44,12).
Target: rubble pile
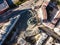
(47,16)
(43,25)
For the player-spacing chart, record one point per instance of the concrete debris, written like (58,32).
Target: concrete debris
(35,22)
(49,41)
(41,39)
(49,25)
(57,43)
(32,32)
(57,28)
(21,41)
(37,37)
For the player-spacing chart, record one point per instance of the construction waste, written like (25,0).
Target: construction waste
(39,25)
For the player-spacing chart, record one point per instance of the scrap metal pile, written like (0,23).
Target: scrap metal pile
(43,25)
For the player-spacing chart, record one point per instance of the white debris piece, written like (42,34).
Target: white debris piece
(49,41)
(57,43)
(32,32)
(21,41)
(57,31)
(37,37)
(41,39)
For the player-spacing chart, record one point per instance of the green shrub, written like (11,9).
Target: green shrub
(58,2)
(19,2)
